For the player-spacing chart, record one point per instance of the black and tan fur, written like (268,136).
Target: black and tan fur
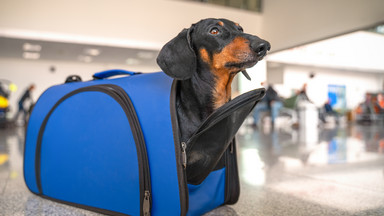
(205,58)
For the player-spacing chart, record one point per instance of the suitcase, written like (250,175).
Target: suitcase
(111,145)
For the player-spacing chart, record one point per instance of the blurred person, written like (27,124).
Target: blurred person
(381,146)
(302,93)
(21,104)
(3,98)
(328,110)
(379,106)
(4,105)
(366,105)
(271,102)
(366,109)
(380,102)
(368,99)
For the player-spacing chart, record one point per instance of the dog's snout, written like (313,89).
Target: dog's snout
(261,48)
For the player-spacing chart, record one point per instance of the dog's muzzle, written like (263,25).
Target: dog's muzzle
(260,47)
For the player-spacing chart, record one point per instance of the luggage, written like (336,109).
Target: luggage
(112,146)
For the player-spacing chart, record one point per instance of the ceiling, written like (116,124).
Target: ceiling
(75,52)
(358,51)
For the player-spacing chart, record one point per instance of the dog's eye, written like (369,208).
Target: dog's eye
(214,31)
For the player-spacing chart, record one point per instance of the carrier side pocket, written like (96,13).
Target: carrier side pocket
(115,94)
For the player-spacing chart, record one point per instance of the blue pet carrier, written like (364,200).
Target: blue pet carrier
(112,146)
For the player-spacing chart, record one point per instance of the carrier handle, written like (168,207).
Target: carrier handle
(113,72)
(73,78)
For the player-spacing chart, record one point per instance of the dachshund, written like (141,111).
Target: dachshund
(204,59)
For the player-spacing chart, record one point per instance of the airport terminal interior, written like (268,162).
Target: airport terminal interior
(314,145)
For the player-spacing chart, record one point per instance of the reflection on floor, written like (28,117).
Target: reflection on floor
(335,171)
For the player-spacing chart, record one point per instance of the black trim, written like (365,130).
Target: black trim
(89,208)
(25,143)
(181,173)
(232,181)
(117,93)
(223,111)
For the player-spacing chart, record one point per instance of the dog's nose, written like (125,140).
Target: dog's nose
(261,48)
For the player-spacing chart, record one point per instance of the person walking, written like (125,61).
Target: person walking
(21,104)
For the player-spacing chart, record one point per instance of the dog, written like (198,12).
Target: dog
(205,58)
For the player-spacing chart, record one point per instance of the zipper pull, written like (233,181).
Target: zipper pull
(146,203)
(231,148)
(184,154)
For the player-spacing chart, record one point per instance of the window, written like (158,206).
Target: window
(251,5)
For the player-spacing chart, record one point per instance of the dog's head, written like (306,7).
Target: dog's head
(219,43)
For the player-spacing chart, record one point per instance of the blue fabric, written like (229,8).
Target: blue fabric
(150,94)
(109,169)
(207,195)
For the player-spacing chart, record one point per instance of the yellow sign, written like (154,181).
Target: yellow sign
(3,102)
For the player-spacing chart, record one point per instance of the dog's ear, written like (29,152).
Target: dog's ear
(177,57)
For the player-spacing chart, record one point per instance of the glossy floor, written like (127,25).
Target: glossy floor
(308,171)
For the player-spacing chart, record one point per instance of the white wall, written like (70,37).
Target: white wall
(357,83)
(123,23)
(25,72)
(151,23)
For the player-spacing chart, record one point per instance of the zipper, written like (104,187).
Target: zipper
(184,154)
(146,200)
(232,185)
(228,173)
(231,148)
(117,93)
(147,203)
(181,155)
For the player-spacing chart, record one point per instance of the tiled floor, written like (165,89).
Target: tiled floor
(335,171)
